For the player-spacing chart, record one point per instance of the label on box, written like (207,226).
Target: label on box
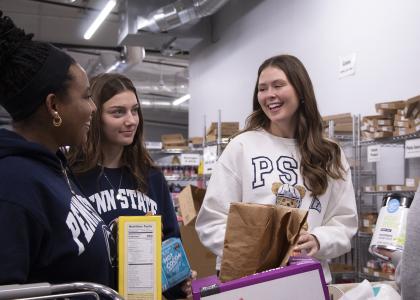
(175,266)
(139,257)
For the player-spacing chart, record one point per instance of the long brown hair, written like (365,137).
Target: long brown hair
(135,156)
(320,157)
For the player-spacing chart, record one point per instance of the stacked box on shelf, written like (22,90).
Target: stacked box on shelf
(195,142)
(174,141)
(412,112)
(343,123)
(227,129)
(394,118)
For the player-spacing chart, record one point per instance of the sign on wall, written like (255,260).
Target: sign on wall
(412,148)
(347,65)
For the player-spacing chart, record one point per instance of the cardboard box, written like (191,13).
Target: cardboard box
(401,124)
(276,284)
(338,118)
(196,141)
(386,111)
(343,127)
(381,134)
(190,200)
(369,119)
(412,107)
(201,260)
(174,141)
(400,104)
(227,129)
(385,128)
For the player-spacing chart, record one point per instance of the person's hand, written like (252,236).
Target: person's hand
(385,252)
(390,255)
(307,243)
(186,286)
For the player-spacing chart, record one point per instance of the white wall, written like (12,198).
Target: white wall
(384,34)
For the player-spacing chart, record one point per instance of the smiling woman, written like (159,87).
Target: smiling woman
(114,167)
(286,120)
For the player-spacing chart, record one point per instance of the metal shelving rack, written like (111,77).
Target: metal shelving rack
(362,175)
(351,140)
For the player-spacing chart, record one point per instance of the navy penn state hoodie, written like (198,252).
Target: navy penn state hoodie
(49,231)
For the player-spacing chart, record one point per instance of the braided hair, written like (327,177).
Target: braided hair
(21,60)
(20,57)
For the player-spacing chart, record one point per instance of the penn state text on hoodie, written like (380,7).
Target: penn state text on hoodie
(49,230)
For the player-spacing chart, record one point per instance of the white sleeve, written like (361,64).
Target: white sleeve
(224,187)
(340,220)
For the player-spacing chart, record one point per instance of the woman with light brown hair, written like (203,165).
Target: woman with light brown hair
(114,168)
(283,145)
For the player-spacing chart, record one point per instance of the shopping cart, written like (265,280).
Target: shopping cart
(35,291)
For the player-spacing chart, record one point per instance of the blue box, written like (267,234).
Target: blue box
(175,266)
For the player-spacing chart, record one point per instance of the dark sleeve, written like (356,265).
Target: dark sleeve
(21,237)
(175,292)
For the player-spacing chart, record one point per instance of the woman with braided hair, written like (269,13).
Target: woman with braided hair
(49,230)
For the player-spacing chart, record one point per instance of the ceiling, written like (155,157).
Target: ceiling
(159,78)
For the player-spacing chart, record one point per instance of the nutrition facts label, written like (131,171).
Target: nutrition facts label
(139,258)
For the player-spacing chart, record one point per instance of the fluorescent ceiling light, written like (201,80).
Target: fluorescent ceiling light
(113,67)
(181,99)
(162,103)
(155,103)
(99,19)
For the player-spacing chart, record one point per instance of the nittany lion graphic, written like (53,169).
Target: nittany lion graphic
(288,195)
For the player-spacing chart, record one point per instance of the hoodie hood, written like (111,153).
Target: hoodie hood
(13,144)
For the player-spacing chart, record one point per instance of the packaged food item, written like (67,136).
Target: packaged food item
(391,225)
(175,265)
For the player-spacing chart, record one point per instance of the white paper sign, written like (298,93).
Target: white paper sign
(190,159)
(412,148)
(209,158)
(373,153)
(347,65)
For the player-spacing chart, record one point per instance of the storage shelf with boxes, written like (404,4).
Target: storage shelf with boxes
(384,141)
(394,119)
(228,129)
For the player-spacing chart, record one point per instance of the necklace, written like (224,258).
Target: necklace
(119,196)
(67,179)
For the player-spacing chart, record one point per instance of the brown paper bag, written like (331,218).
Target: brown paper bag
(259,237)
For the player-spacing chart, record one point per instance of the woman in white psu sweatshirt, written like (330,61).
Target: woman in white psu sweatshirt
(283,143)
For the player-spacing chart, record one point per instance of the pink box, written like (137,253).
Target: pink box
(301,279)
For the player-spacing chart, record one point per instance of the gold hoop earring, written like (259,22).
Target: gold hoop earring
(57,121)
